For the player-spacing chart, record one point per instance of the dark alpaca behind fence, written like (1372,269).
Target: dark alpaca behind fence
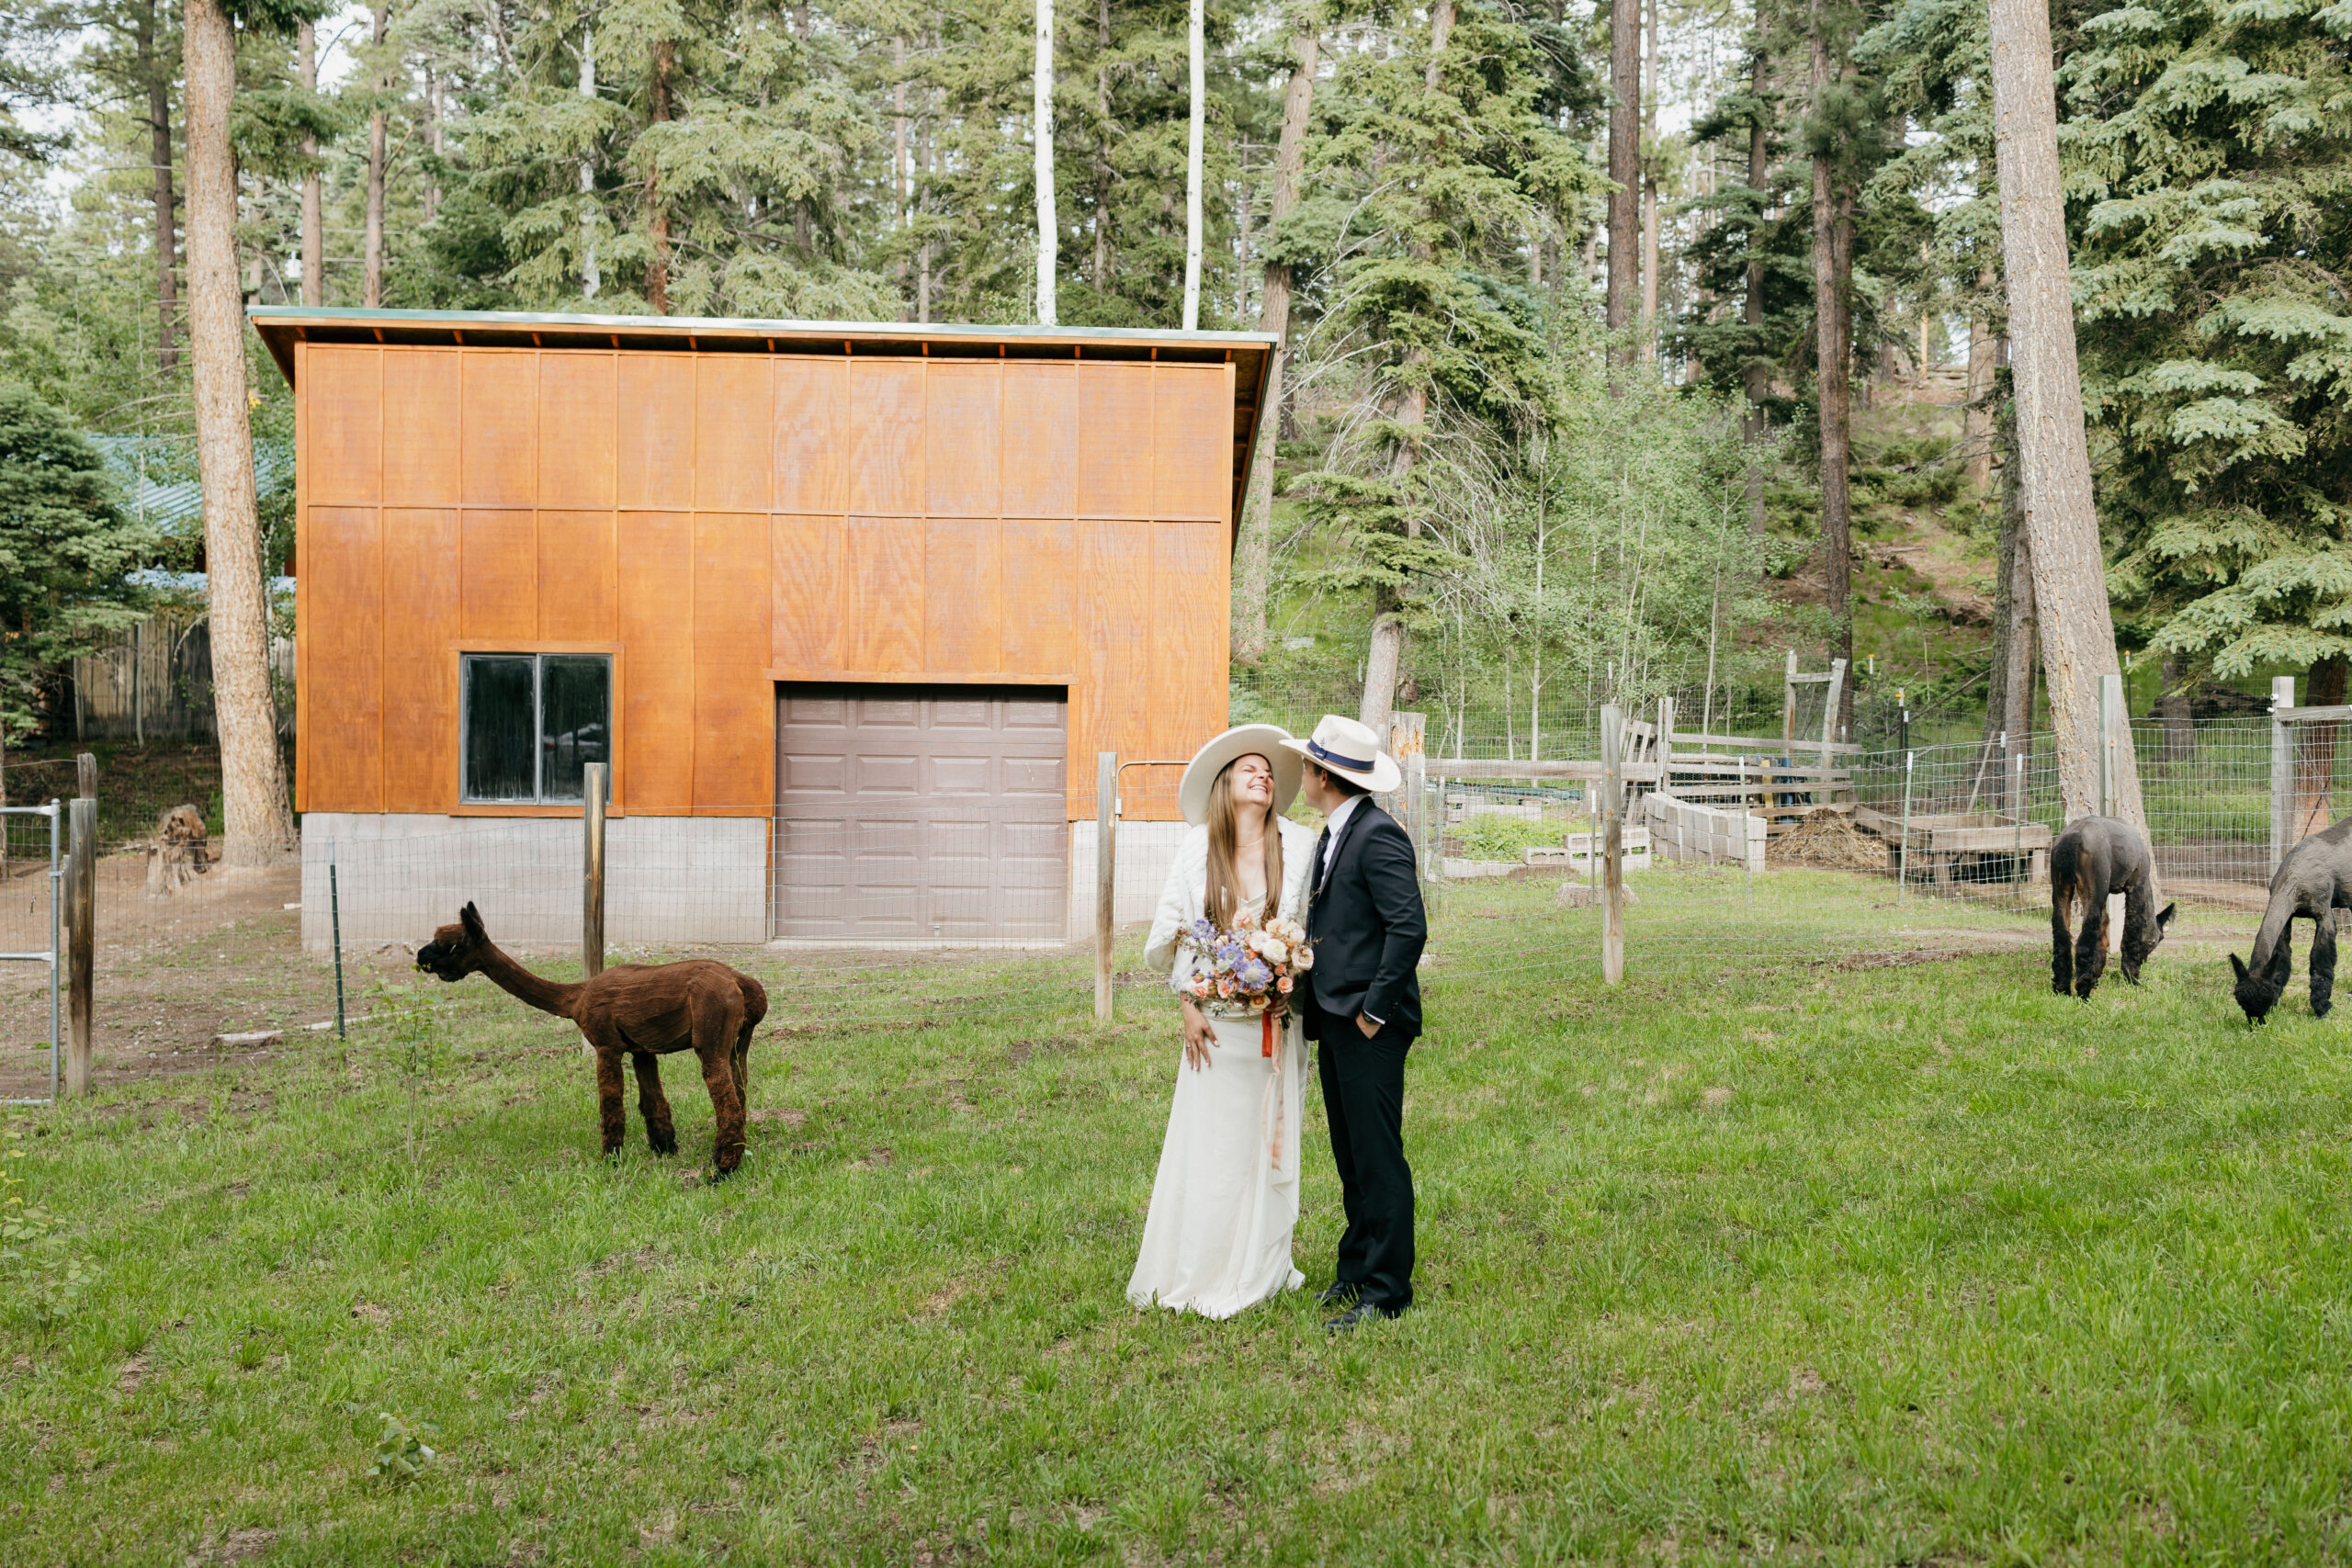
(640,1010)
(2093,859)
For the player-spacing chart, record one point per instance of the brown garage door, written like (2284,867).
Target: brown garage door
(920,813)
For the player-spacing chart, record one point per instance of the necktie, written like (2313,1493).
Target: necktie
(1322,866)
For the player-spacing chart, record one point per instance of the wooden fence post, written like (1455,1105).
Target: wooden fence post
(591,870)
(2282,768)
(1106,847)
(1666,746)
(1613,844)
(1829,717)
(1789,703)
(1407,743)
(80,941)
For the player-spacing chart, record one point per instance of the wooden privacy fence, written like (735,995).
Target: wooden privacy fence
(153,680)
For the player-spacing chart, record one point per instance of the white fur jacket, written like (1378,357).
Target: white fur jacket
(1186,891)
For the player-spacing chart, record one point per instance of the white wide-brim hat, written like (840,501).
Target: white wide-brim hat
(1266,740)
(1346,747)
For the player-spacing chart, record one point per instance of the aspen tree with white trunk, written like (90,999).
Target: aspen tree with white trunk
(2060,524)
(1041,120)
(1197,50)
(313,240)
(259,824)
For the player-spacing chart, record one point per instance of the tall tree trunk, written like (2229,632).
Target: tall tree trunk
(314,246)
(591,277)
(433,139)
(1757,375)
(1041,131)
(1833,271)
(2061,526)
(259,826)
(1196,126)
(1976,420)
(1624,164)
(1648,347)
(2315,761)
(156,76)
(2014,651)
(657,212)
(1385,657)
(372,288)
(1253,553)
(927,155)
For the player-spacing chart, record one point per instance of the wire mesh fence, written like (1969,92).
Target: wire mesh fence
(904,918)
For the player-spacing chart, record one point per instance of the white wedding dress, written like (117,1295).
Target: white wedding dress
(1226,1200)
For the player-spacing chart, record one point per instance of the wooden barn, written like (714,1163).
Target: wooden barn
(848,609)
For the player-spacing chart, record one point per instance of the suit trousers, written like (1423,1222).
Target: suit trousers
(1363,1098)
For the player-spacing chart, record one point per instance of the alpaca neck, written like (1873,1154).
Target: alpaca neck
(548,995)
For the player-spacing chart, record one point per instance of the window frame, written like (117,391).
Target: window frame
(463,805)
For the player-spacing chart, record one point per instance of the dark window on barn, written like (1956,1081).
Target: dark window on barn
(532,723)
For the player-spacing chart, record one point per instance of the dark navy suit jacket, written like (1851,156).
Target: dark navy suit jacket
(1368,928)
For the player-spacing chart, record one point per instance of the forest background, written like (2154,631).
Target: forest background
(1539,454)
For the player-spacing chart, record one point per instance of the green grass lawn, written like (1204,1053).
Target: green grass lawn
(1872,1265)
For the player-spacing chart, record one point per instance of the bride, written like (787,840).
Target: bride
(1218,1238)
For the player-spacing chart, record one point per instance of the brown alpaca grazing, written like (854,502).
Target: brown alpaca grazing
(643,1011)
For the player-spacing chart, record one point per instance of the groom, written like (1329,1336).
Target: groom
(1364,1006)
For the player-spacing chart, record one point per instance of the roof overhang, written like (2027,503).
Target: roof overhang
(1250,354)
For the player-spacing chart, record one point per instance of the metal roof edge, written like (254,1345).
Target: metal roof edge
(297,315)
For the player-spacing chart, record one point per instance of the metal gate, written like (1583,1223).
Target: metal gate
(54,813)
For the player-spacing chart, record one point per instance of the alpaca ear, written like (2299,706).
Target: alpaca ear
(2163,916)
(470,918)
(2239,965)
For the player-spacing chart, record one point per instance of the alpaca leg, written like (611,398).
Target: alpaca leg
(2061,942)
(726,1107)
(743,1067)
(2091,943)
(2324,963)
(608,1100)
(660,1133)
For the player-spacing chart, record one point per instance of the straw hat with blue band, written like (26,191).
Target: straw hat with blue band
(1349,750)
(1267,740)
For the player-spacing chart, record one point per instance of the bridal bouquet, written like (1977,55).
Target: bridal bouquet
(1242,972)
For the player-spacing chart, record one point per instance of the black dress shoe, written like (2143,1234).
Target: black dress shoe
(1340,1294)
(1361,1313)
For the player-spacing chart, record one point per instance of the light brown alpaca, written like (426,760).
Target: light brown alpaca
(643,1011)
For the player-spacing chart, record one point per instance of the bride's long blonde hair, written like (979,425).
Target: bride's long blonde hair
(1222,898)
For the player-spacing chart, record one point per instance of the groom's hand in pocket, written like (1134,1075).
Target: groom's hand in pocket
(1369,1028)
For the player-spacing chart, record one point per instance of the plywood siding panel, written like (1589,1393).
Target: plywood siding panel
(502,427)
(734,700)
(882,609)
(886,419)
(344,442)
(499,576)
(422,462)
(576,431)
(343,554)
(656,577)
(1189,651)
(1114,440)
(1119,626)
(421,598)
(1192,440)
(576,599)
(1042,567)
(811,460)
(1040,443)
(962,436)
(962,564)
(805,585)
(734,423)
(656,425)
